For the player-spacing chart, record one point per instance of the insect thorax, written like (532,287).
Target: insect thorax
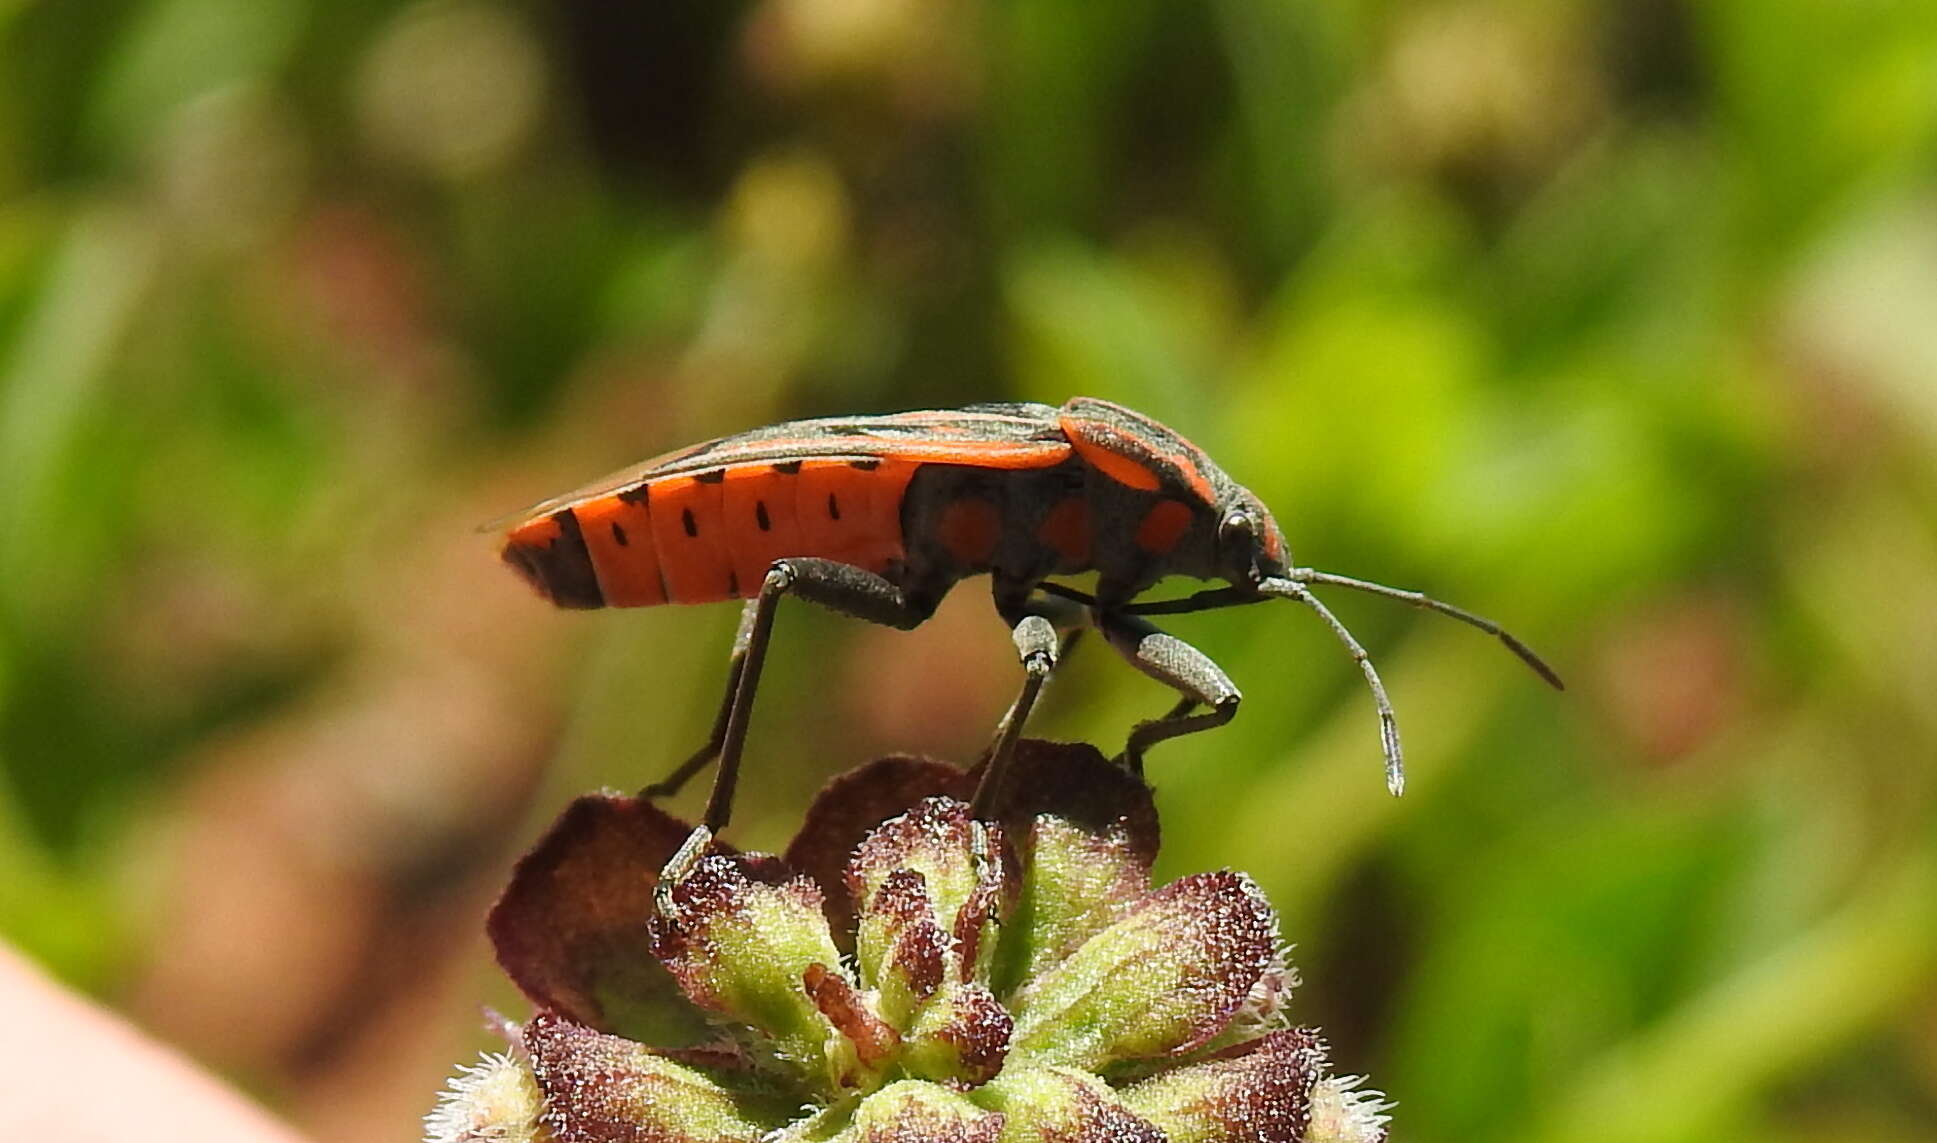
(1025,525)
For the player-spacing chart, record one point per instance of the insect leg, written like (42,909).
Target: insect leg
(1040,648)
(1070,621)
(672,783)
(1179,665)
(837,586)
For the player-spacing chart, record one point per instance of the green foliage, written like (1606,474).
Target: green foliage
(1608,320)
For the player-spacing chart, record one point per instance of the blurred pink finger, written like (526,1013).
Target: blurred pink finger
(73,1073)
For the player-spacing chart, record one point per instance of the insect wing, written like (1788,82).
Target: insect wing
(989,436)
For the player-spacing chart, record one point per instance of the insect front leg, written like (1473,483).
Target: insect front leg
(1176,664)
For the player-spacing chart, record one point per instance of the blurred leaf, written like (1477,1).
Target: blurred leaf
(174,50)
(52,380)
(1054,69)
(1815,95)
(62,916)
(1559,942)
(1858,307)
(1785,1011)
(1284,75)
(1085,327)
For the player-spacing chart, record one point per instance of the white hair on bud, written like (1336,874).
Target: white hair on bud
(1263,1010)
(1343,1112)
(496,1100)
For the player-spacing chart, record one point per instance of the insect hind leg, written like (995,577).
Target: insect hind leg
(1183,668)
(836,586)
(675,781)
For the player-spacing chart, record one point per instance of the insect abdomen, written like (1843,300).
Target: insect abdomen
(549,551)
(712,535)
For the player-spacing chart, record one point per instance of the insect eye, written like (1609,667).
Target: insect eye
(1237,526)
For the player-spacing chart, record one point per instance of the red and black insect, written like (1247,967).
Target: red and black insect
(878,517)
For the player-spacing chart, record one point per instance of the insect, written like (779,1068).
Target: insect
(878,517)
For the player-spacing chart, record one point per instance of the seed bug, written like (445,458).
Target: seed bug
(878,517)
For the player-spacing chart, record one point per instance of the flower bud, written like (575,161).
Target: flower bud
(1163,980)
(1063,1105)
(911,1111)
(496,1100)
(601,1088)
(741,937)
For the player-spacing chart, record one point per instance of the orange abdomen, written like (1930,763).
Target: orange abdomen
(707,536)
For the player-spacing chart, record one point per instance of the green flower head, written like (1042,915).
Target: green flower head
(906,973)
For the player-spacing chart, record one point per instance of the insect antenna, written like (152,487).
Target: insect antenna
(1418,599)
(1395,762)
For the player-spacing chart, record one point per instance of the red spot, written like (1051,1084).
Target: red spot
(1163,526)
(1274,540)
(1066,531)
(969,529)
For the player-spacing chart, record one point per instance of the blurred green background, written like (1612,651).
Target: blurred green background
(1614,320)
